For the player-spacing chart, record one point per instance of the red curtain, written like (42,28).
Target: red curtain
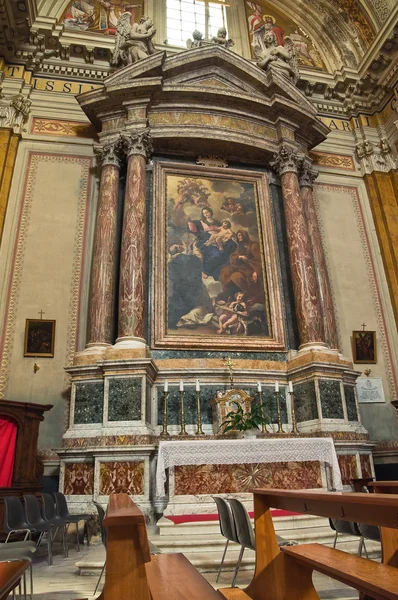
(8,438)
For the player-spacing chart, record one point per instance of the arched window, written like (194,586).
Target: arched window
(184,16)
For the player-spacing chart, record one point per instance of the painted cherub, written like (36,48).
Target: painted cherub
(220,237)
(238,306)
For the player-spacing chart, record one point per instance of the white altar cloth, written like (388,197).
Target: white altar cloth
(229,452)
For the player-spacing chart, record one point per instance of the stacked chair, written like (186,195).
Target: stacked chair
(39,519)
(235,526)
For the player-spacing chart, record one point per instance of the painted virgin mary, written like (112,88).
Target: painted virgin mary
(213,258)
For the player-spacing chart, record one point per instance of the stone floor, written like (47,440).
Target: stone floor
(63,582)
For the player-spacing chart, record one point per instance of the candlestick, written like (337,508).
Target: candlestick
(277,386)
(165,433)
(263,425)
(200,430)
(278,407)
(182,412)
(294,422)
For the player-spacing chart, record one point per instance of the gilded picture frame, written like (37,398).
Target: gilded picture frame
(39,338)
(364,349)
(222,193)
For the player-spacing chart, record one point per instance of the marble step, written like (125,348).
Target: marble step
(168,528)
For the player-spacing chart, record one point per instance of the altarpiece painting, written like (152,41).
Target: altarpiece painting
(215,271)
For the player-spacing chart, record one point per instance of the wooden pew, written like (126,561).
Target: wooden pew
(10,576)
(383,487)
(286,573)
(131,572)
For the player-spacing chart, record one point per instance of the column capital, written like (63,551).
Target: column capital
(286,160)
(137,142)
(108,154)
(307,173)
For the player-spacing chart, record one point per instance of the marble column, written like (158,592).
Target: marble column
(104,264)
(133,256)
(306,181)
(308,311)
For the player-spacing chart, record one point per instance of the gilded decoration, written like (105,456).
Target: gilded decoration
(79,479)
(238,478)
(203,119)
(333,161)
(122,478)
(62,128)
(263,18)
(99,16)
(215,256)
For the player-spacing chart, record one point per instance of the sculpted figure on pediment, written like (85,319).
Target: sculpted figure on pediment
(281,58)
(133,41)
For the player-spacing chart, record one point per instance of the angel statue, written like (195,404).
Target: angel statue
(280,58)
(133,42)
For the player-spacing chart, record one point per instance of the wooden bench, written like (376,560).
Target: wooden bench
(383,487)
(131,573)
(286,573)
(10,576)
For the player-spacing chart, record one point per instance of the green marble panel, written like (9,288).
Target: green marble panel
(124,399)
(270,405)
(350,402)
(89,402)
(305,405)
(331,401)
(274,356)
(190,405)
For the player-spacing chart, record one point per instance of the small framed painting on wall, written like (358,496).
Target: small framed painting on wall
(364,347)
(39,338)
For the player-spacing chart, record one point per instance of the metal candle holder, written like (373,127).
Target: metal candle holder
(263,425)
(182,414)
(278,407)
(200,430)
(294,422)
(164,430)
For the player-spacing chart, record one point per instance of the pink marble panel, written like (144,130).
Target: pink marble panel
(79,479)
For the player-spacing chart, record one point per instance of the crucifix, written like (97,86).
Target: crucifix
(41,313)
(230,366)
(363,325)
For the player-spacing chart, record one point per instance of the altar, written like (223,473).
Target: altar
(199,469)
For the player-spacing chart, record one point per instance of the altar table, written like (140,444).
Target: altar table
(245,451)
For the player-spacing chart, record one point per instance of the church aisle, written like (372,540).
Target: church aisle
(63,582)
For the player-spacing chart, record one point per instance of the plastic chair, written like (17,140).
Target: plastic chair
(347,528)
(20,551)
(14,518)
(104,538)
(63,512)
(227,526)
(38,524)
(245,532)
(49,515)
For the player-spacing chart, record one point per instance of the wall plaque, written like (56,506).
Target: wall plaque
(370,389)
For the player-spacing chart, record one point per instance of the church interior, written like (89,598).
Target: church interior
(199,299)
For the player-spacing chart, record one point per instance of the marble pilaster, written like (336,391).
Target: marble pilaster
(306,180)
(133,257)
(308,310)
(103,270)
